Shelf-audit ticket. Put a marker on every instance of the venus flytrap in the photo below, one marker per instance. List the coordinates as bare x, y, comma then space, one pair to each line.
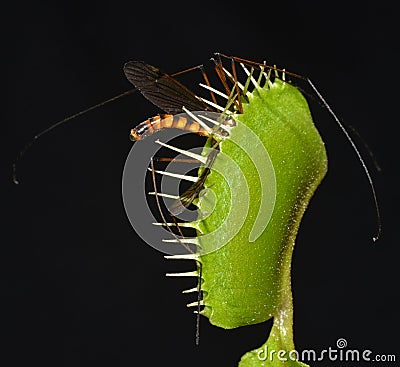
262, 163
248, 282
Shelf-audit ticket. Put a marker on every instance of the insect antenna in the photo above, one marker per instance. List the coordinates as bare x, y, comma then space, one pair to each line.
338, 122
350, 140
367, 148
57, 124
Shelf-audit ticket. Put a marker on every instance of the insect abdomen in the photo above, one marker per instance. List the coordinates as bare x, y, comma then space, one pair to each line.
166, 121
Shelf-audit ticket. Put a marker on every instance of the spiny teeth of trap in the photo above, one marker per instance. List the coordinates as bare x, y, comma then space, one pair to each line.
175, 175
194, 117
183, 151
191, 290
169, 196
224, 110
180, 224
268, 77
212, 104
182, 257
232, 78
196, 304
262, 73
256, 83
186, 274
191, 240
227, 128
216, 91
250, 75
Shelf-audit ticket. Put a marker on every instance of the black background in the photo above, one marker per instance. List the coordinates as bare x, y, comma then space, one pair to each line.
79, 288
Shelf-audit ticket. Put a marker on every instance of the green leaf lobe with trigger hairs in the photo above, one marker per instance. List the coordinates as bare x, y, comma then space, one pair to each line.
249, 282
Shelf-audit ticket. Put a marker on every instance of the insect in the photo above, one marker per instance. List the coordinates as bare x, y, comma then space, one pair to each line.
160, 88
173, 97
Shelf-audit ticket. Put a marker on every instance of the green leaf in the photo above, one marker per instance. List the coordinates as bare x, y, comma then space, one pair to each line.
247, 281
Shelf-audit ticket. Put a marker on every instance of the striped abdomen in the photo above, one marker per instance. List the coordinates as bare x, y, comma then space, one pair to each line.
166, 121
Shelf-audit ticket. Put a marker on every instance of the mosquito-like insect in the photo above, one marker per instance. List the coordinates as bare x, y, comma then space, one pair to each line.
158, 87
173, 97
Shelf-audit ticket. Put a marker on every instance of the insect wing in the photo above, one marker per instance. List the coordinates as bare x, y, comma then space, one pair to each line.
162, 89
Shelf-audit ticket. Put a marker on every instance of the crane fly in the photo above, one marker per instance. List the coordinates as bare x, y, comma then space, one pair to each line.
159, 88
167, 93
173, 97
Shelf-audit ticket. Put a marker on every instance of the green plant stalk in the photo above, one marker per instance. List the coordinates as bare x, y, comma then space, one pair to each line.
247, 282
